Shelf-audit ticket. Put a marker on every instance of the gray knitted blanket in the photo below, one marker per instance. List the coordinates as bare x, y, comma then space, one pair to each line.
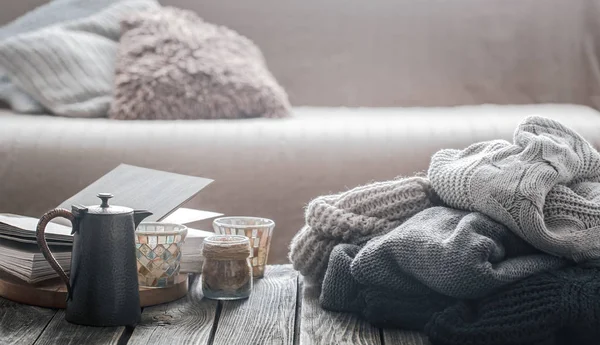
61, 56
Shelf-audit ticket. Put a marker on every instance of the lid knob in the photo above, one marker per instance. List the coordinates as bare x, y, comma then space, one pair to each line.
104, 197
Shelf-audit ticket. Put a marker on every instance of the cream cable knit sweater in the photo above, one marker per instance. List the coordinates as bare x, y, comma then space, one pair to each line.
355, 216
545, 186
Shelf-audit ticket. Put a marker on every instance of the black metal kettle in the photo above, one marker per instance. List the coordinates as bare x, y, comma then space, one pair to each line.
103, 287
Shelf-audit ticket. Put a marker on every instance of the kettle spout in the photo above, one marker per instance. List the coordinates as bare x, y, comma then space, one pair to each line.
139, 215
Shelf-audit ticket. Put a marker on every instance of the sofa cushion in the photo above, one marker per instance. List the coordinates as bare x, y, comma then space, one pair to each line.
68, 67
51, 13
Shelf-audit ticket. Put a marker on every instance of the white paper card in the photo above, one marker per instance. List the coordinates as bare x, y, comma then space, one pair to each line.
188, 215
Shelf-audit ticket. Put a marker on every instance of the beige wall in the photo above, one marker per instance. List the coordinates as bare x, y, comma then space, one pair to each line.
10, 9
412, 52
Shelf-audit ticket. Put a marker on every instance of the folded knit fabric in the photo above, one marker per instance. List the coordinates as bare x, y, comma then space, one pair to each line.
545, 186
54, 12
555, 308
456, 253
355, 216
69, 67
408, 309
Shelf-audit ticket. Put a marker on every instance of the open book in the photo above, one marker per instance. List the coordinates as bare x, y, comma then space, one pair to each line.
162, 193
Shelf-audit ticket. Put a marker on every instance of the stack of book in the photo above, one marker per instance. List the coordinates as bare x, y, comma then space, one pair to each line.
191, 256
21, 257
25, 261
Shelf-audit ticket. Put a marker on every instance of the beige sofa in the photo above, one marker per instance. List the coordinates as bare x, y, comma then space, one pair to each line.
374, 56
269, 168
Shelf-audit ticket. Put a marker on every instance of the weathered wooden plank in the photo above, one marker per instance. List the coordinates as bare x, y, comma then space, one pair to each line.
399, 337
318, 326
59, 331
299, 299
21, 323
188, 320
267, 317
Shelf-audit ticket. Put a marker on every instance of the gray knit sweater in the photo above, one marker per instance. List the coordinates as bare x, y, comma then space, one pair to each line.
545, 186
410, 308
456, 253
355, 216
426, 264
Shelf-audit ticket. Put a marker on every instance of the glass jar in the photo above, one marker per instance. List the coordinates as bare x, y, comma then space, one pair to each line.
226, 271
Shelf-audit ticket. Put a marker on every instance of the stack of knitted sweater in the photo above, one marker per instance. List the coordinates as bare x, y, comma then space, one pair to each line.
499, 244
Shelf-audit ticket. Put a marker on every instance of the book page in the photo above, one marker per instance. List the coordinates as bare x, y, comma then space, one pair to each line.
22, 226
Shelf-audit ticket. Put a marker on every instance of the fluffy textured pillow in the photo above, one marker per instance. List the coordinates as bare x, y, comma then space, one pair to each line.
173, 65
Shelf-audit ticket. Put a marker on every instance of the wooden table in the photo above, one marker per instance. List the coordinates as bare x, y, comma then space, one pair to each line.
281, 310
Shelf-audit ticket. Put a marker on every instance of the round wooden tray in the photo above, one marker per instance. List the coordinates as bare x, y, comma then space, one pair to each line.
53, 293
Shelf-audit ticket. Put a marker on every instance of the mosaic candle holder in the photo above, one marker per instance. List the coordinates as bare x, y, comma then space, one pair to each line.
158, 252
259, 232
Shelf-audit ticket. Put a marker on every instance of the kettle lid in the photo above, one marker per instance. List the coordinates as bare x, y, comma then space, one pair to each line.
105, 209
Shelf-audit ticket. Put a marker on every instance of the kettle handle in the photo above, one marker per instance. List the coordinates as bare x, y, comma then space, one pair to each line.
41, 240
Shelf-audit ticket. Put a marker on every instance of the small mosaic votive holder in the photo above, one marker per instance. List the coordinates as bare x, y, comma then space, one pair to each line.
258, 230
158, 253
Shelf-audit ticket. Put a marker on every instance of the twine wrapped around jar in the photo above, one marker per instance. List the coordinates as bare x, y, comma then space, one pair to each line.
224, 249
226, 272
